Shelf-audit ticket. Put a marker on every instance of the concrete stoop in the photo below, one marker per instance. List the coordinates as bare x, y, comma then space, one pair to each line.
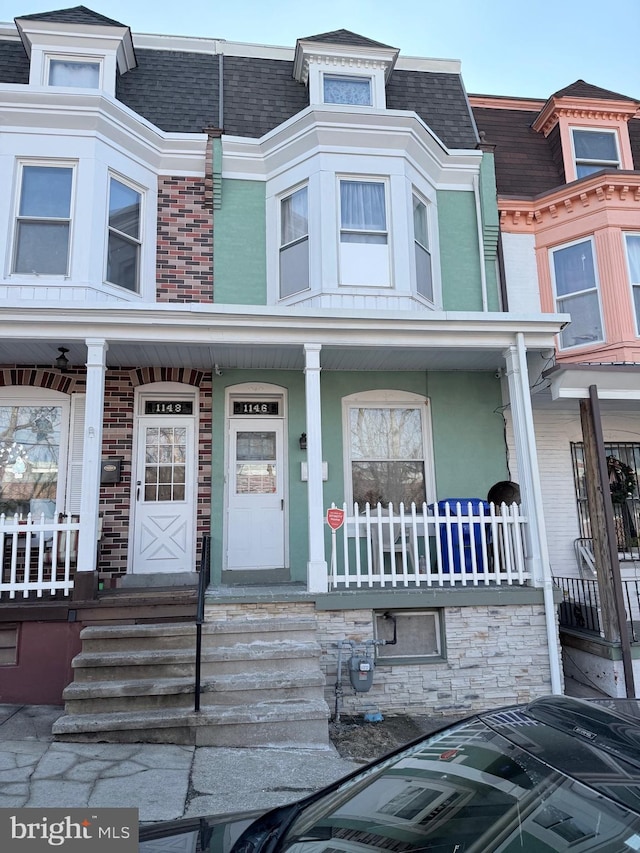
261, 685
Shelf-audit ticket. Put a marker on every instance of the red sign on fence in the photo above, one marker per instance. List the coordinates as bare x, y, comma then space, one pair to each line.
335, 518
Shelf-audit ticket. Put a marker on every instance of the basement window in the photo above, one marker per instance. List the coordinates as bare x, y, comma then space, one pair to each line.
418, 635
8, 644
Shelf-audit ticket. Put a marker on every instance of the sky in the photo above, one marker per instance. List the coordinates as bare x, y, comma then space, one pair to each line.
506, 47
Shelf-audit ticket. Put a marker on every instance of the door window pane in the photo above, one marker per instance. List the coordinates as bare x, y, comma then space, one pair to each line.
29, 459
165, 472
256, 469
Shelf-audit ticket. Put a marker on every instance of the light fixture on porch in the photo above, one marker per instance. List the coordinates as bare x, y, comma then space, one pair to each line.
62, 362
303, 441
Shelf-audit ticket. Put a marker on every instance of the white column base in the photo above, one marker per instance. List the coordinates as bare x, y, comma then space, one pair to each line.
317, 577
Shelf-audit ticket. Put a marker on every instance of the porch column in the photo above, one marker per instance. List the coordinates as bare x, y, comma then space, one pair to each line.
92, 453
317, 580
531, 494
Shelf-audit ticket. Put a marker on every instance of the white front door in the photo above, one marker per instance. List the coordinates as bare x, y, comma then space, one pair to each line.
255, 501
164, 511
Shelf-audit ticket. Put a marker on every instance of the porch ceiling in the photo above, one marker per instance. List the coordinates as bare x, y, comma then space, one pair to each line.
247, 357
270, 338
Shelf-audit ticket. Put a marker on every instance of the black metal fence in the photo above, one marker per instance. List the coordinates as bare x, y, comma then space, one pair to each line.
203, 582
580, 606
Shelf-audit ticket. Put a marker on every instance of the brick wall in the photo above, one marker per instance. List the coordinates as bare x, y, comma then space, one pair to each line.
117, 441
185, 241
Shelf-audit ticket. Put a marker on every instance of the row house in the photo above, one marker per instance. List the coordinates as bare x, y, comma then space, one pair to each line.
568, 180
244, 286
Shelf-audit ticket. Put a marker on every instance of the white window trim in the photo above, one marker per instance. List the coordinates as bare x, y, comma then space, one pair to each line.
389, 399
588, 239
11, 255
603, 164
72, 57
367, 179
32, 396
343, 68
140, 241
633, 285
282, 197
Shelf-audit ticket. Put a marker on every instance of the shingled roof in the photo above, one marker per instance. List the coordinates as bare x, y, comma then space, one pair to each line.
346, 37
73, 15
582, 89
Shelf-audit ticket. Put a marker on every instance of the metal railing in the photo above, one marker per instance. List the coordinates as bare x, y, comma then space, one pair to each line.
204, 577
37, 555
580, 606
460, 543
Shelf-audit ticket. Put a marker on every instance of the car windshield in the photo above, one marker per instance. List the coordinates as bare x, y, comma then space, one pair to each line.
467, 789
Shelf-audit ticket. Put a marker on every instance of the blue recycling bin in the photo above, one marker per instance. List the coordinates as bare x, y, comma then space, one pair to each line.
469, 539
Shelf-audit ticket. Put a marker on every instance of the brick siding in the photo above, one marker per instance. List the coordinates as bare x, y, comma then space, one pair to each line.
185, 241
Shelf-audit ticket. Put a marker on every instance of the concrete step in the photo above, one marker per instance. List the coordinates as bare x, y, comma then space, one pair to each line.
147, 694
286, 724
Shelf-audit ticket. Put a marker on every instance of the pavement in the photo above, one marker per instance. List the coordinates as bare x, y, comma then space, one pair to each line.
164, 782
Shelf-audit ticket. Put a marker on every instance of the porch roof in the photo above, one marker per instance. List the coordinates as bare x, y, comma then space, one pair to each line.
234, 337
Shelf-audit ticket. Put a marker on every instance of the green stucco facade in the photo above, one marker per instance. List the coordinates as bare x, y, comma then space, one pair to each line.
468, 440
239, 256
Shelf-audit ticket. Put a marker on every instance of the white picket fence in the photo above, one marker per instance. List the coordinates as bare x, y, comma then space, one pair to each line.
37, 555
463, 544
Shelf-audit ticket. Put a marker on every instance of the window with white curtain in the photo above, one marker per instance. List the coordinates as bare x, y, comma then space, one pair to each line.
77, 73
364, 254
424, 277
294, 243
347, 90
575, 280
632, 242
43, 223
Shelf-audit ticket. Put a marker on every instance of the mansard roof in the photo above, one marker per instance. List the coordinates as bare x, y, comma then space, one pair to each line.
528, 162
346, 37
73, 15
178, 90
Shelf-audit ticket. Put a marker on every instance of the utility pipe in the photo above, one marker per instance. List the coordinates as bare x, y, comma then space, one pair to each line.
483, 272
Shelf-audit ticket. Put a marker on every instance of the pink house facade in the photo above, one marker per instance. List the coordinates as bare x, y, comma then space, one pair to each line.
568, 180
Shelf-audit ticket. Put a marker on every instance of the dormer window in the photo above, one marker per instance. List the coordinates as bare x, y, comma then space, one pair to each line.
347, 90
77, 73
595, 150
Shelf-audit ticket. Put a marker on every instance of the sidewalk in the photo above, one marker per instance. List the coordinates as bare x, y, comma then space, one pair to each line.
164, 782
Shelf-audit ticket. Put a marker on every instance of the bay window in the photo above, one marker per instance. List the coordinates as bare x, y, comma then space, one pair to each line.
43, 223
123, 249
364, 255
576, 288
294, 243
633, 259
595, 150
424, 278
